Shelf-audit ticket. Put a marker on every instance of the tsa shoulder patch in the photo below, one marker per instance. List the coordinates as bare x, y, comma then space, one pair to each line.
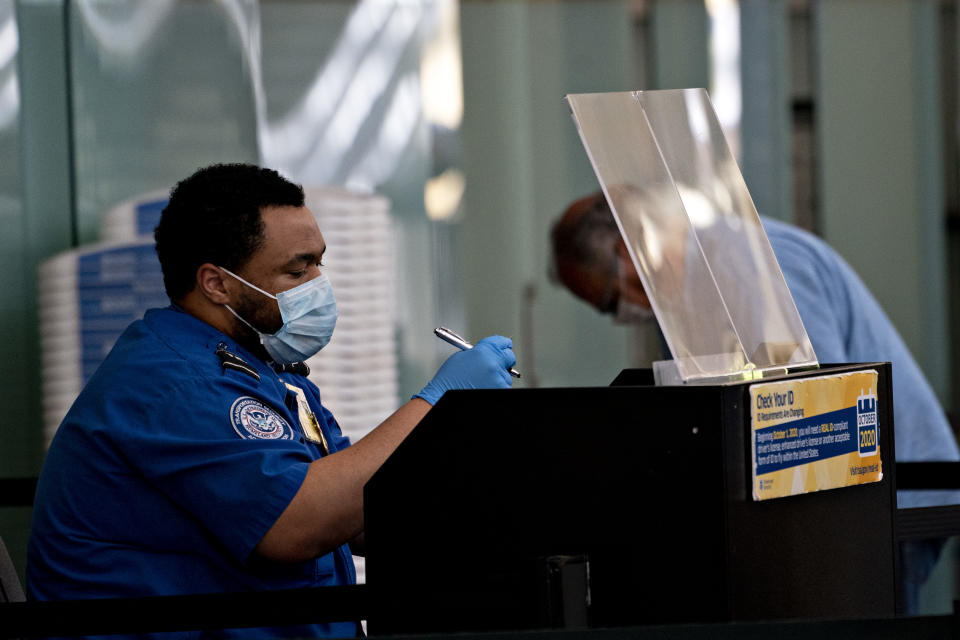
253, 419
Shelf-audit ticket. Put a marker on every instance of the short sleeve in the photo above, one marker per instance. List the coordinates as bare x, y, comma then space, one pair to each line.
189, 448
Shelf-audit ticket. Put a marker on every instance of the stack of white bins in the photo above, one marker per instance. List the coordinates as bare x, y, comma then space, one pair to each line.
357, 372
87, 298
133, 219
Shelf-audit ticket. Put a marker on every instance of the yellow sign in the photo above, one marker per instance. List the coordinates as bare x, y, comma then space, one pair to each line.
812, 434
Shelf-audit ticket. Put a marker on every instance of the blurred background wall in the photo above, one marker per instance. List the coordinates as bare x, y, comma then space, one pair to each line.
843, 114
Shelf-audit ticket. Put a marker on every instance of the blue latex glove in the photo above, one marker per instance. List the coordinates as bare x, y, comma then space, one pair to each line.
483, 367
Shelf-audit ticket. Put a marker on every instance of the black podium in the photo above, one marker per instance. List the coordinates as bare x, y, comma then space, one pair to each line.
642, 492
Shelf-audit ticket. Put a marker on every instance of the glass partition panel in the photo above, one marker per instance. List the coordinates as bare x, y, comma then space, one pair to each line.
692, 231
17, 355
158, 89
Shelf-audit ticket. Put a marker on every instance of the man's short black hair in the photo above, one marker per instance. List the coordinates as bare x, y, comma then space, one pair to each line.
214, 216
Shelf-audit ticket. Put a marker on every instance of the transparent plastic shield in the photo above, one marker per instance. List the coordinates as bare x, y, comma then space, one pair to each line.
693, 232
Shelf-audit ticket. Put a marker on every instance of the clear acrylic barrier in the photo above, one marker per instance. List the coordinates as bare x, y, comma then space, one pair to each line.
693, 233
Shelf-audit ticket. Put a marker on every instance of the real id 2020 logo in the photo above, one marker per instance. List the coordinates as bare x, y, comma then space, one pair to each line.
867, 423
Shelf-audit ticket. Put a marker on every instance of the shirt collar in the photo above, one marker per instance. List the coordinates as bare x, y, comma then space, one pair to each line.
182, 329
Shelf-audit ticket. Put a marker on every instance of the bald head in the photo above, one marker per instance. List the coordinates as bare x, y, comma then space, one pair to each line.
587, 255
584, 243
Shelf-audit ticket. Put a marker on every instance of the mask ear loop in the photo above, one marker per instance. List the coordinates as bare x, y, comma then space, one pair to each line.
237, 315
252, 286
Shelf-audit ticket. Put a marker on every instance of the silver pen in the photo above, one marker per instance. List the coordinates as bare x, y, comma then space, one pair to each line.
449, 336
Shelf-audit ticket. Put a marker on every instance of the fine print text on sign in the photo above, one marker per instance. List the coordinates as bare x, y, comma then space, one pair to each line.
813, 434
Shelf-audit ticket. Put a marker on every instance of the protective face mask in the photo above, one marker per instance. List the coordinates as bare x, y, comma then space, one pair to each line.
309, 314
632, 313
629, 312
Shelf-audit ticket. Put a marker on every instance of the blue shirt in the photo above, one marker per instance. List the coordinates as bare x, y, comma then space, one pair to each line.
170, 468
845, 323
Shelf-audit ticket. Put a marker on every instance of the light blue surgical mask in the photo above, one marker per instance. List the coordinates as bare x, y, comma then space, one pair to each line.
628, 312
309, 314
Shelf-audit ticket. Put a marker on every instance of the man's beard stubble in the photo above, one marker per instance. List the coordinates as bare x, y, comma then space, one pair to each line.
265, 317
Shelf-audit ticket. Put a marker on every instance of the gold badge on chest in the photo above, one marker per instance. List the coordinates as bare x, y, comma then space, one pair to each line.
308, 421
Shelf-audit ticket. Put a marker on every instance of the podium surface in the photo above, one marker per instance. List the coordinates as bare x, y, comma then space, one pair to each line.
652, 486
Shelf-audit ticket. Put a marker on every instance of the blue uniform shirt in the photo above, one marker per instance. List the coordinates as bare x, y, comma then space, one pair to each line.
169, 469
845, 323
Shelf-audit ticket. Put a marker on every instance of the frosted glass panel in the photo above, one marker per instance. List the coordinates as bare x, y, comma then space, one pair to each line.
692, 231
159, 89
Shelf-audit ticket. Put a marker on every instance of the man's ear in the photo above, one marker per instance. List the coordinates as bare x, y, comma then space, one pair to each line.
210, 282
